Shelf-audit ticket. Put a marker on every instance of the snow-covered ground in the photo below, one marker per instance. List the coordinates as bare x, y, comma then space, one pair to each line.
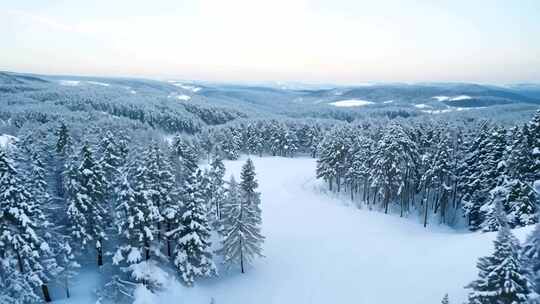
7, 140
320, 250
455, 98
183, 97
70, 83
351, 103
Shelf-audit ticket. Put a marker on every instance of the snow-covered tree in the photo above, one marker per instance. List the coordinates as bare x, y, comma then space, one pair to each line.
135, 220
445, 299
242, 237
192, 254
87, 214
502, 276
216, 186
522, 204
20, 222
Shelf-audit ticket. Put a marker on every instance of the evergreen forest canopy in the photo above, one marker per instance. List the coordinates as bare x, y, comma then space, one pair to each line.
108, 169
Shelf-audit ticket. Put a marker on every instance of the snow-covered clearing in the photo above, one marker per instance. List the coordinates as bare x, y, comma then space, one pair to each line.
70, 83
183, 97
455, 98
320, 250
103, 84
351, 103
460, 97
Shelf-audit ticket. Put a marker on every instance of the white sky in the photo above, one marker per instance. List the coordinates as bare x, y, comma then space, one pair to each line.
340, 41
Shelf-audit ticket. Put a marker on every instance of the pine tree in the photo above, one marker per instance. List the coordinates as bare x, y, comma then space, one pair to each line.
20, 221
86, 211
531, 256
495, 209
445, 299
242, 238
522, 204
192, 255
216, 185
534, 143
63, 144
15, 287
469, 183
136, 216
187, 155
110, 162
502, 277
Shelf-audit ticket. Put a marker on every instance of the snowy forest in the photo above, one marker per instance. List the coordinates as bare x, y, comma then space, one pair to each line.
128, 179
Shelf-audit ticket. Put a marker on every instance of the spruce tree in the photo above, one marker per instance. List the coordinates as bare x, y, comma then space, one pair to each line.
133, 221
20, 222
192, 254
522, 204
531, 256
87, 214
445, 299
242, 238
216, 186
502, 276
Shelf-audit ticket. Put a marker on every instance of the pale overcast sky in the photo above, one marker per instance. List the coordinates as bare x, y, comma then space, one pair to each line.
338, 41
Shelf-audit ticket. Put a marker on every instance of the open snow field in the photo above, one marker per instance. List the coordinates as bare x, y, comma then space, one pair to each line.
319, 250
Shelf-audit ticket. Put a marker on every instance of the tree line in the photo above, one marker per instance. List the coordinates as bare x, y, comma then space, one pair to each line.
132, 208
441, 171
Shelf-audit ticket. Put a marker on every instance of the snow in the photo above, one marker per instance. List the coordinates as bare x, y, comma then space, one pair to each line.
183, 97
70, 83
388, 101
448, 110
460, 97
143, 295
351, 103
441, 98
455, 98
7, 140
537, 186
318, 249
99, 83
188, 87
422, 106
82, 289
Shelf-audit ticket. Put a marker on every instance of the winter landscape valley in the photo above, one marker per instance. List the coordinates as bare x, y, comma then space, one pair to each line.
269, 152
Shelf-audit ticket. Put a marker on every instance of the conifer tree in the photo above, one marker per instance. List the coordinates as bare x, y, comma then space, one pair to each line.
502, 276
522, 204
192, 254
20, 222
216, 185
242, 238
134, 225
86, 211
445, 299
531, 257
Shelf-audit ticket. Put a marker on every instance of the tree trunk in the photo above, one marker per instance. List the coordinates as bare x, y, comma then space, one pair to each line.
241, 258
386, 200
426, 208
67, 289
46, 295
20, 262
100, 257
